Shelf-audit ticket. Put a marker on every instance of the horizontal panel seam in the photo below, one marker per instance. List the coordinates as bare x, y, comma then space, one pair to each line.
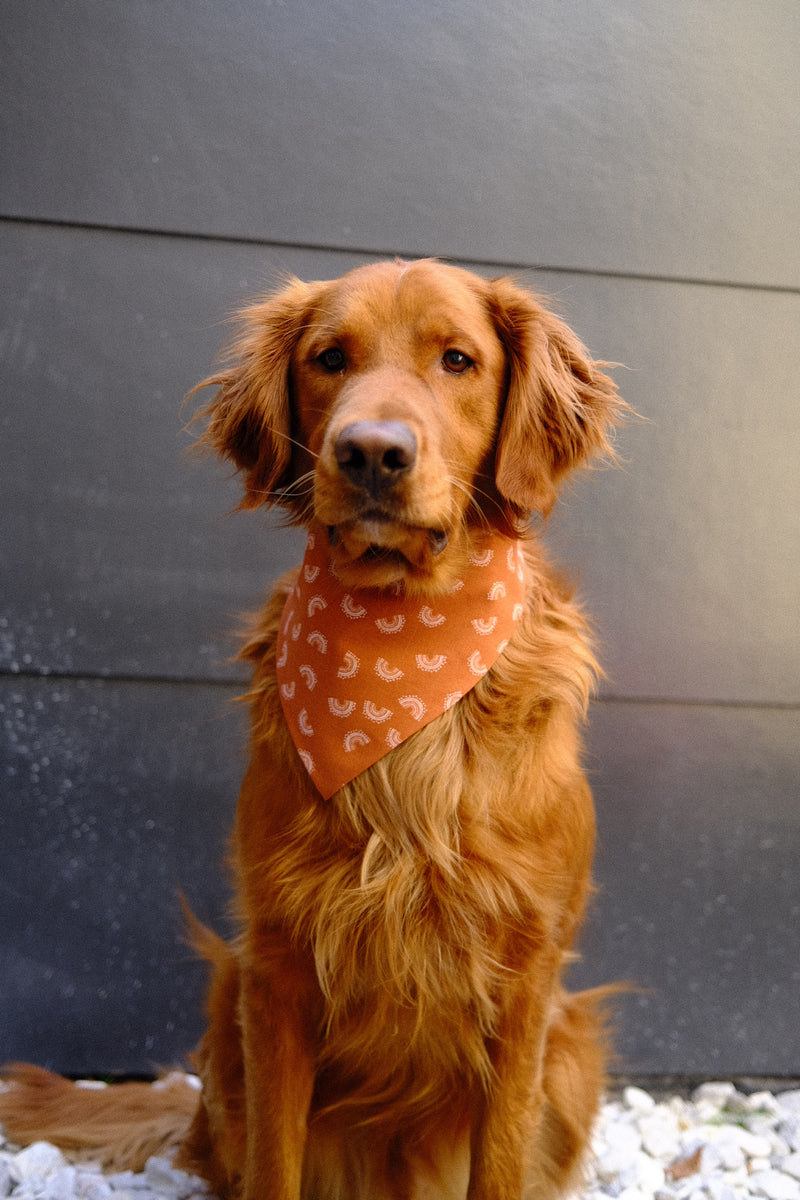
320, 247
691, 702
57, 676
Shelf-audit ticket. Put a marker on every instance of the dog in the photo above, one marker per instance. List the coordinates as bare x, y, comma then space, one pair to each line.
414, 837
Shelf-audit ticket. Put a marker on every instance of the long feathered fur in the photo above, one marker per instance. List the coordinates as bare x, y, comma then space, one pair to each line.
119, 1127
391, 1023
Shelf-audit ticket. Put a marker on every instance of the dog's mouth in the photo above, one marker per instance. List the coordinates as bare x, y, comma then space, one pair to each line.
375, 549
381, 548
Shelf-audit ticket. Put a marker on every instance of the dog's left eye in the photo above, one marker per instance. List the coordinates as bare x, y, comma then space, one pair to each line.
456, 361
332, 360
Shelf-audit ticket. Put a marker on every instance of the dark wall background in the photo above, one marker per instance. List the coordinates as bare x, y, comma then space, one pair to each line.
159, 164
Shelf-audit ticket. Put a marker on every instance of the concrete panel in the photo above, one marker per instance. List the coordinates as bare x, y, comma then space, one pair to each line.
689, 556
117, 557
699, 903
114, 798
624, 137
116, 795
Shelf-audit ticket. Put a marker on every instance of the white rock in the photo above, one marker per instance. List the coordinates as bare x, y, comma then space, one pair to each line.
710, 1161
791, 1165
728, 1147
774, 1185
123, 1181
60, 1185
762, 1124
39, 1160
762, 1102
789, 1129
682, 1109
638, 1100
738, 1180
717, 1188
622, 1143
90, 1185
754, 1145
611, 1112
716, 1096
789, 1102
696, 1135
626, 1178
660, 1134
649, 1173
161, 1176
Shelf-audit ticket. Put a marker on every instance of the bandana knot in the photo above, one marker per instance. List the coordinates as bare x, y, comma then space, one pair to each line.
359, 671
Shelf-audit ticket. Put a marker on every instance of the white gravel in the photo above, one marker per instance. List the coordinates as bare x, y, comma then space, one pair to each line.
41, 1172
717, 1144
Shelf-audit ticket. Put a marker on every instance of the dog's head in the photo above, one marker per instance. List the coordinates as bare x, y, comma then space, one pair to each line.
403, 405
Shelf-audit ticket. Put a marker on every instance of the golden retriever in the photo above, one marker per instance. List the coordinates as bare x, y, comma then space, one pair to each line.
390, 1023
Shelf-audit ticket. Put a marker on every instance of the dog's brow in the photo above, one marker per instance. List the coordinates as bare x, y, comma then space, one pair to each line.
436, 329
318, 326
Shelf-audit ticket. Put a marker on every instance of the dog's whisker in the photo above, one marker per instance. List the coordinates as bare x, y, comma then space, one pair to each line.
281, 433
303, 485
473, 508
292, 491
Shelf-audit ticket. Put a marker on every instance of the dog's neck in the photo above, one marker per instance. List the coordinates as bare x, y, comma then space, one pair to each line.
361, 670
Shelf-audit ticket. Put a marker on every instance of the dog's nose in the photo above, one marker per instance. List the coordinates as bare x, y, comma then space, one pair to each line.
376, 454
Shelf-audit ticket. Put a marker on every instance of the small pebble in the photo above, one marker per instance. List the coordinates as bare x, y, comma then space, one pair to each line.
789, 1129
37, 1161
774, 1185
638, 1100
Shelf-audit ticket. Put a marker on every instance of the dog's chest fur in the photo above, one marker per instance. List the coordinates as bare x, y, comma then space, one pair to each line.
407, 927
420, 888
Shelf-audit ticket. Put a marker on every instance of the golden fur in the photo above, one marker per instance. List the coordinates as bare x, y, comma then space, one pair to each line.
390, 1023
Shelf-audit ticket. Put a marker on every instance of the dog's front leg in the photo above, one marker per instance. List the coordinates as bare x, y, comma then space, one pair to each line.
278, 1002
505, 1130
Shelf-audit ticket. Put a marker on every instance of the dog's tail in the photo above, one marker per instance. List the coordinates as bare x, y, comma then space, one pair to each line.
119, 1126
577, 1056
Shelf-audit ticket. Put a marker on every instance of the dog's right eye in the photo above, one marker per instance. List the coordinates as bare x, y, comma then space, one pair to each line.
456, 361
333, 361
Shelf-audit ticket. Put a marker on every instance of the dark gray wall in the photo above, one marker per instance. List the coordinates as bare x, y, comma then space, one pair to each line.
160, 163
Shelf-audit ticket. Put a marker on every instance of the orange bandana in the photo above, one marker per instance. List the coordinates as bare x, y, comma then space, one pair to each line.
360, 671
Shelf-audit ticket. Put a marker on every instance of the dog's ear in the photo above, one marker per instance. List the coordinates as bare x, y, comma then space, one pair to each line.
249, 420
559, 406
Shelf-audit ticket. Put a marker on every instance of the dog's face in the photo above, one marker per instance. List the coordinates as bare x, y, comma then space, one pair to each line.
399, 380
402, 405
